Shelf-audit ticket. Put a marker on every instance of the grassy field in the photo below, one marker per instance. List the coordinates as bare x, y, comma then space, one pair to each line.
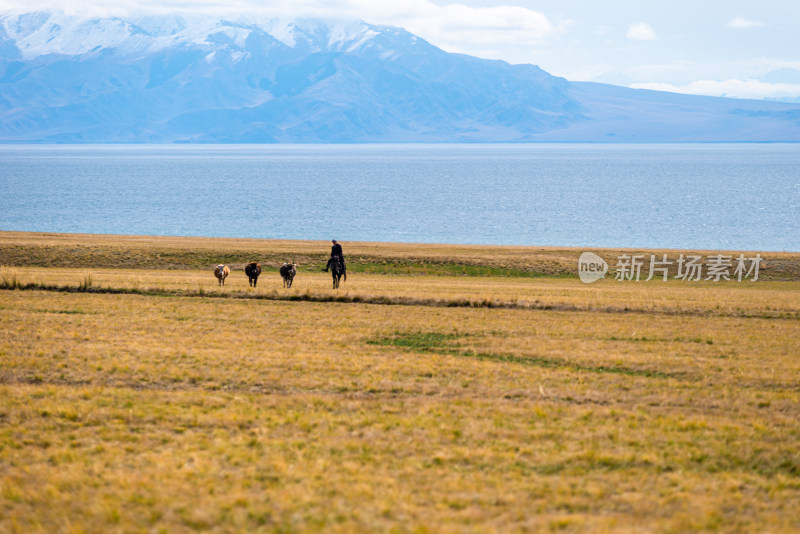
441, 389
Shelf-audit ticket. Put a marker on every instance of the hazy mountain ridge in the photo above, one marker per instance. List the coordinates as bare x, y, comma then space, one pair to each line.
201, 79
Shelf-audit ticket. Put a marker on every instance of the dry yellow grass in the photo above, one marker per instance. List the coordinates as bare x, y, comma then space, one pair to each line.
200, 412
761, 298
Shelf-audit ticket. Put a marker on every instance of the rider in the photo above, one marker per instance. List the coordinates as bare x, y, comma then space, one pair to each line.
336, 251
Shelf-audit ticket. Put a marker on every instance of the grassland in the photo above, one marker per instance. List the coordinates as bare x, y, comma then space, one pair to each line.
138, 396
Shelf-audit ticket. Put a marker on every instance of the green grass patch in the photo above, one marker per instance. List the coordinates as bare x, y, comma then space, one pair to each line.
418, 341
443, 343
10, 282
104, 256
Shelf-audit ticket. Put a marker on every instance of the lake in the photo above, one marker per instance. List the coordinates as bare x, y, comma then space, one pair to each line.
718, 196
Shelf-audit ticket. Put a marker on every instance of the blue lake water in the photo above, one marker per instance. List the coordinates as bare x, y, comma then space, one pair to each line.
651, 196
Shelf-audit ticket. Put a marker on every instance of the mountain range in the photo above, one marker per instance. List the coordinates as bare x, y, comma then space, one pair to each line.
201, 79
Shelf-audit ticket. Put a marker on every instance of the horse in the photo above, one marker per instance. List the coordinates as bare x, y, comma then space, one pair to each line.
252, 270
222, 272
337, 271
288, 270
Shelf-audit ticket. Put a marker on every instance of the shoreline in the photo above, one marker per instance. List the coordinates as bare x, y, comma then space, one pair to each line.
23, 234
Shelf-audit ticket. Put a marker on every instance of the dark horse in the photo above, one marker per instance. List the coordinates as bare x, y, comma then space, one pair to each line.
337, 271
252, 270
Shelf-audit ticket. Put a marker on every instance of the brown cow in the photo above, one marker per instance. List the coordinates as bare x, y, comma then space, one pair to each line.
222, 272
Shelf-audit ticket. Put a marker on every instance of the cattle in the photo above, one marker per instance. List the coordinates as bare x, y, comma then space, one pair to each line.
252, 270
221, 272
288, 270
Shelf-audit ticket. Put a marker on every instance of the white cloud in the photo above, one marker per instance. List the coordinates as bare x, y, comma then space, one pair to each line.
734, 88
682, 72
602, 30
456, 27
641, 31
743, 23
662, 71
591, 72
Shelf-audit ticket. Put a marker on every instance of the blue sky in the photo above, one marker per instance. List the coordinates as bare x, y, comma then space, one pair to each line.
737, 48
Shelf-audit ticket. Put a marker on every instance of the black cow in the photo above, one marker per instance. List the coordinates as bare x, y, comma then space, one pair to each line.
252, 270
288, 270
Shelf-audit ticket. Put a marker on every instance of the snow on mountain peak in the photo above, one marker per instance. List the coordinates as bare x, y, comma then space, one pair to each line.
349, 36
319, 35
42, 33
37, 34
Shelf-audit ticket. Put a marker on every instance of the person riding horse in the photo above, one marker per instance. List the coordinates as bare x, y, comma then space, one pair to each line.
336, 252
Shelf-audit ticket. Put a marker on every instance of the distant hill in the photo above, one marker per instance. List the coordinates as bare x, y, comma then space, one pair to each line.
164, 79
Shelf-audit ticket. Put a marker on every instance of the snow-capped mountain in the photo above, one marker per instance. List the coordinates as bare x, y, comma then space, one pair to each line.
42, 33
256, 79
